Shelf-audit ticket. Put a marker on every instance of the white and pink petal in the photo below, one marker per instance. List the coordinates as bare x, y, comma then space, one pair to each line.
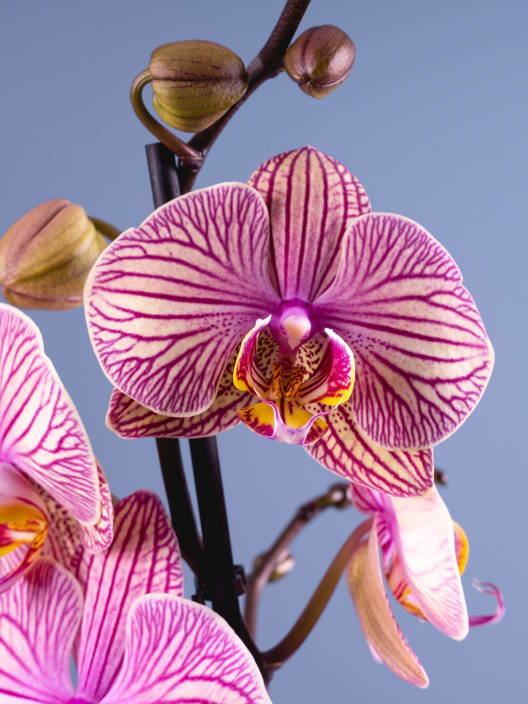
181, 651
423, 533
143, 558
345, 450
423, 358
312, 199
386, 641
39, 617
168, 303
41, 432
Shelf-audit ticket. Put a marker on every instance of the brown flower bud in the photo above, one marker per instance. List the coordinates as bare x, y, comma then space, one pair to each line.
320, 59
195, 83
45, 256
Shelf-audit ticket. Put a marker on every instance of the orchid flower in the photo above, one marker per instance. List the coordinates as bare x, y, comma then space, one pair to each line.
134, 638
423, 554
287, 305
45, 454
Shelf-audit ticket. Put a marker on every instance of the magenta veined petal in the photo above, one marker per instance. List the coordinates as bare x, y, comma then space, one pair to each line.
181, 651
129, 419
167, 304
345, 450
39, 617
422, 354
312, 199
41, 432
423, 532
382, 633
143, 558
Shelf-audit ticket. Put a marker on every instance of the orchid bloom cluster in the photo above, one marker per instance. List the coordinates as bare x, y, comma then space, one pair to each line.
284, 304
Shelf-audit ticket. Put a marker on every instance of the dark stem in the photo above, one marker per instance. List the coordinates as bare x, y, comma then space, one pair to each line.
166, 186
337, 497
179, 500
221, 582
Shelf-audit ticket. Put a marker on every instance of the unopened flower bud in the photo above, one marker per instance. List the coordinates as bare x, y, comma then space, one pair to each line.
320, 59
45, 256
195, 83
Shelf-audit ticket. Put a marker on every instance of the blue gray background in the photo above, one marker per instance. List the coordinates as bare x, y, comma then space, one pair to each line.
433, 122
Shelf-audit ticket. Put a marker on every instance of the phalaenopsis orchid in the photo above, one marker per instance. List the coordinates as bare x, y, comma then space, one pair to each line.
282, 302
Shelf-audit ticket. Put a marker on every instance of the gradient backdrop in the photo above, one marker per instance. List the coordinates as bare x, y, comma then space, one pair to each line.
433, 122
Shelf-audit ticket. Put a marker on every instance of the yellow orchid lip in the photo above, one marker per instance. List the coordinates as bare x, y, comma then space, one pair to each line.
23, 525
320, 371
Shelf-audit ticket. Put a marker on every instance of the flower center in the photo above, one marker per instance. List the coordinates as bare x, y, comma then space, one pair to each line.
286, 379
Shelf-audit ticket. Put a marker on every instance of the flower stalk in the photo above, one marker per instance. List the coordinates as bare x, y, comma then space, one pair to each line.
277, 656
336, 497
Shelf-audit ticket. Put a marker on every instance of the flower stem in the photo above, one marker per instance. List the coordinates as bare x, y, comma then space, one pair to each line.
337, 497
169, 139
277, 656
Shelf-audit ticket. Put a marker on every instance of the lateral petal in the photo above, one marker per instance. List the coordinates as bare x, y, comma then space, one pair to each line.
345, 450
167, 304
144, 557
129, 419
312, 199
41, 432
181, 651
422, 354
381, 631
39, 617
423, 531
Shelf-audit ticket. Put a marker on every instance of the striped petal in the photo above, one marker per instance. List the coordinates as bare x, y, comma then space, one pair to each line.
143, 558
422, 355
312, 199
39, 617
66, 537
382, 633
129, 419
40, 430
423, 531
180, 651
23, 525
346, 450
168, 303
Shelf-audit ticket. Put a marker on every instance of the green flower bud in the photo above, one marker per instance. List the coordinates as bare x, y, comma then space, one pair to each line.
320, 59
195, 83
45, 256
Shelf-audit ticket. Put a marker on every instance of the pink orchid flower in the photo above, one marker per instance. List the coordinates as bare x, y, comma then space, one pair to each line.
288, 305
45, 454
122, 616
423, 554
